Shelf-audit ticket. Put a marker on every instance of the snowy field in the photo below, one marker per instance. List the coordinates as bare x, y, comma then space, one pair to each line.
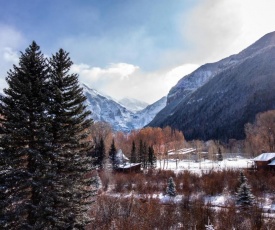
205, 165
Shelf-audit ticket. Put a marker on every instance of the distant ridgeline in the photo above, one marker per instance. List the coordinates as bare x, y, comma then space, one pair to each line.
218, 99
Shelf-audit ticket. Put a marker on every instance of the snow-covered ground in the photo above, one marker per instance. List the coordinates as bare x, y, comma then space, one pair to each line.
267, 203
205, 165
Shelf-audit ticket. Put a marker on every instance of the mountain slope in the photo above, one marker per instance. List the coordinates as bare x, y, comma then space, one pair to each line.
132, 104
106, 109
216, 100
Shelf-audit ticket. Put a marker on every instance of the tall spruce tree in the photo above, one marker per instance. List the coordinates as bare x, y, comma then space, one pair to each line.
171, 187
244, 197
70, 122
152, 160
43, 156
143, 154
99, 154
133, 157
219, 157
112, 155
26, 172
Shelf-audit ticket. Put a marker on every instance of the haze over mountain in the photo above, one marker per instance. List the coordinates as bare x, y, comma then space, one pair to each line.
133, 104
106, 109
218, 99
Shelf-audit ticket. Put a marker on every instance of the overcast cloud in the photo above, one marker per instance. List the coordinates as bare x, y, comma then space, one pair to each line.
134, 49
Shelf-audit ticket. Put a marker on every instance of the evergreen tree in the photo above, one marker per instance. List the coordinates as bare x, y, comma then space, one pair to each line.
140, 155
26, 173
242, 178
69, 123
144, 152
133, 157
99, 154
244, 197
151, 157
43, 157
112, 155
171, 188
220, 157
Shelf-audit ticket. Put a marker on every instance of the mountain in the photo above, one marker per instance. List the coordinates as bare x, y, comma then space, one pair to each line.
218, 99
132, 104
143, 117
106, 109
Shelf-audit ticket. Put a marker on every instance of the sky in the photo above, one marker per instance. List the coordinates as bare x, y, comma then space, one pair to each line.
136, 49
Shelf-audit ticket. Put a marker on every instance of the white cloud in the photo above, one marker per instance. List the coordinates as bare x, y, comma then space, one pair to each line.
177, 73
125, 80
10, 55
9, 37
219, 28
10, 40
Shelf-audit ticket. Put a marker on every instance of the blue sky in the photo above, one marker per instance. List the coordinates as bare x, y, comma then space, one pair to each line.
127, 48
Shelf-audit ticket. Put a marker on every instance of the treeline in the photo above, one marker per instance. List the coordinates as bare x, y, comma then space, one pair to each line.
143, 146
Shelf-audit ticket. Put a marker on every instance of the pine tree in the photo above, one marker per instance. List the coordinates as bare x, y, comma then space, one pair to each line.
244, 197
242, 178
171, 188
25, 173
220, 157
99, 154
144, 152
43, 157
140, 155
133, 157
151, 157
70, 122
112, 155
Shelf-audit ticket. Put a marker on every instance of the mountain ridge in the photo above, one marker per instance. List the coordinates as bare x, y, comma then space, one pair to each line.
239, 85
106, 109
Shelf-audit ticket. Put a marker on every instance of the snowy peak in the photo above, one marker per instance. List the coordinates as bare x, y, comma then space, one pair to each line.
106, 109
133, 104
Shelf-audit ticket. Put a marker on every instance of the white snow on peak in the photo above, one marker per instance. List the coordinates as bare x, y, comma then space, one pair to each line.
133, 104
106, 109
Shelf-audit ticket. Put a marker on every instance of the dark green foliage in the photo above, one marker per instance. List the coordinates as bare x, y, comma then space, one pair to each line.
244, 197
99, 154
171, 187
143, 154
242, 178
133, 158
220, 157
152, 160
26, 175
69, 127
43, 158
112, 155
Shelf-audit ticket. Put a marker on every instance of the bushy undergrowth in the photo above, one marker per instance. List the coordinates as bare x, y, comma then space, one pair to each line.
208, 183
140, 212
132, 213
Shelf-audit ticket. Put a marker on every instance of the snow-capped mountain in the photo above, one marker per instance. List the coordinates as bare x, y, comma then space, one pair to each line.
133, 104
106, 109
218, 99
143, 117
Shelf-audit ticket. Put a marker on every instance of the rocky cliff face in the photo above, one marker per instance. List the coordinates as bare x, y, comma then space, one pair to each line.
217, 99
